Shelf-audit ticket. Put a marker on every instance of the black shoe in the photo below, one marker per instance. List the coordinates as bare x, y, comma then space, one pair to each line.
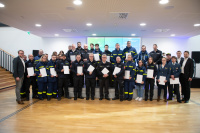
81, 97
41, 98
115, 98
129, 99
92, 98
125, 98
87, 98
151, 99
183, 99
75, 98
67, 97
100, 98
179, 101
59, 99
48, 98
107, 98
187, 101
169, 99
121, 100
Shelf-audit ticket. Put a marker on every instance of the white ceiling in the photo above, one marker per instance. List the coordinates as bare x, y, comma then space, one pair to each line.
54, 16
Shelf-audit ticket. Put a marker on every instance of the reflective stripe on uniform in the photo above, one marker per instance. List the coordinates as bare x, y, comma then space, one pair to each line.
49, 94
130, 93
39, 92
125, 92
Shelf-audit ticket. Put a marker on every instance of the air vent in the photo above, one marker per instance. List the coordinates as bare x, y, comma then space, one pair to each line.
70, 30
119, 15
161, 30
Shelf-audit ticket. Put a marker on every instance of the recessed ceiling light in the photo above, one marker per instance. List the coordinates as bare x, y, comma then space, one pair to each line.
38, 25
89, 24
2, 5
94, 34
77, 2
56, 34
172, 34
164, 1
133, 34
196, 25
142, 24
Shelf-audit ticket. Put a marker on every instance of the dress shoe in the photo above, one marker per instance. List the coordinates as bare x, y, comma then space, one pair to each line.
115, 98
75, 98
81, 97
151, 99
129, 99
20, 102
87, 98
100, 98
41, 98
107, 98
48, 98
179, 101
92, 98
121, 99
158, 98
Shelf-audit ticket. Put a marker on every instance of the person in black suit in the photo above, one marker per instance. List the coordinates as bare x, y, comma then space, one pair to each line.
187, 70
179, 58
18, 74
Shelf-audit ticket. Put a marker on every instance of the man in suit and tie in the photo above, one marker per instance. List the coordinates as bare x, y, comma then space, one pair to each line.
179, 58
187, 70
18, 74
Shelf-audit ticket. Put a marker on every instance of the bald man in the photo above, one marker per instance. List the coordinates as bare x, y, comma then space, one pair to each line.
30, 79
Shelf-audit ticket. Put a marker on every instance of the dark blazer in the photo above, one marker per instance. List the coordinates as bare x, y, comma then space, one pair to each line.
18, 68
189, 68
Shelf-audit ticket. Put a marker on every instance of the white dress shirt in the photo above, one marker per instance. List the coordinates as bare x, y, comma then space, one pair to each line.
183, 65
23, 63
179, 60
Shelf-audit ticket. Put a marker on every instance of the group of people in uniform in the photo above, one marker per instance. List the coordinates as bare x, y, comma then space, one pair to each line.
81, 66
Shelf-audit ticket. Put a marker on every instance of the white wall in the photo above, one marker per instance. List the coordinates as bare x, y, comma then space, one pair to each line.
11, 40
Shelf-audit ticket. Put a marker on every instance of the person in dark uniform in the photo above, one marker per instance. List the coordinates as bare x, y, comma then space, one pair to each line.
117, 52
187, 71
163, 70
108, 54
79, 48
31, 80
156, 55
91, 47
77, 77
52, 79
131, 50
71, 53
90, 77
174, 73
118, 79
143, 55
63, 79
104, 76
150, 81
129, 84
41, 80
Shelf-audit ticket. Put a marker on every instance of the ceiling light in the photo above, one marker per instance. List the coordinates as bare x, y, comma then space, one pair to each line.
142, 24
56, 34
172, 34
2, 5
89, 24
94, 34
38, 25
196, 25
77, 2
164, 1
133, 34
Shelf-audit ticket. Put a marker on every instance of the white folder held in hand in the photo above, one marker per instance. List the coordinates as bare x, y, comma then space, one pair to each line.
96, 57
79, 69
72, 57
162, 79
30, 71
150, 73
66, 69
53, 72
139, 78
116, 70
175, 81
127, 54
105, 71
90, 68
43, 72
127, 74
108, 59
